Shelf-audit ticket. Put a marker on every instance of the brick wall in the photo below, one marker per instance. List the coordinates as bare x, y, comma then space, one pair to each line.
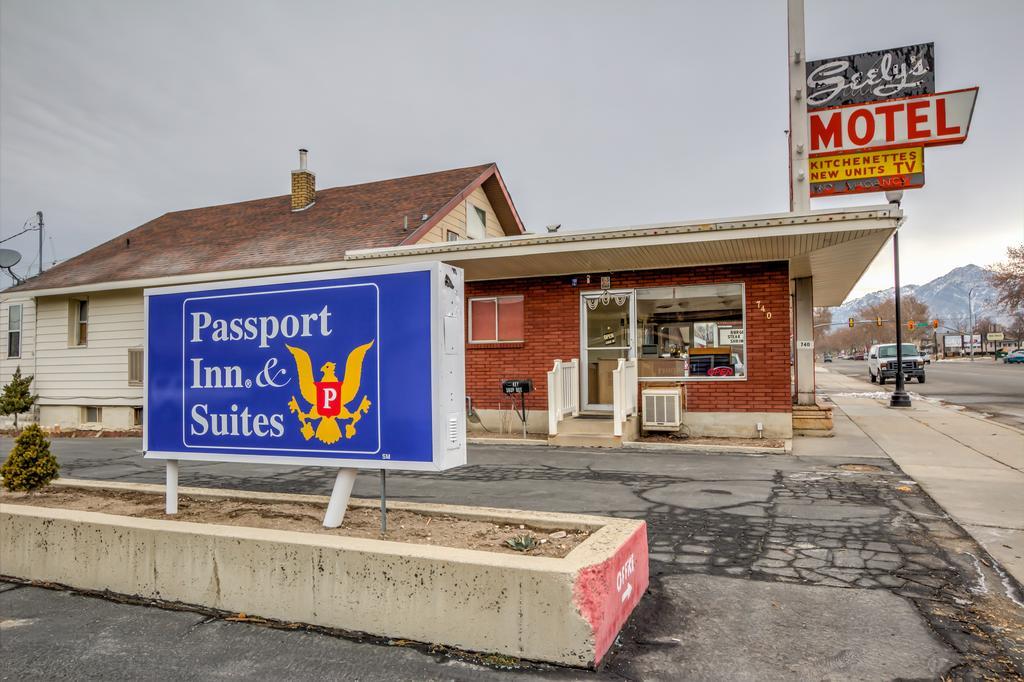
552, 321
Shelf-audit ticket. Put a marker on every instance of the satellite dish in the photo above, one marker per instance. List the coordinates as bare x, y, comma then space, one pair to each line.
9, 258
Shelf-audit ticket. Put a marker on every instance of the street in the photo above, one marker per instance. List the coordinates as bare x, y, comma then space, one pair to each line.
989, 387
819, 565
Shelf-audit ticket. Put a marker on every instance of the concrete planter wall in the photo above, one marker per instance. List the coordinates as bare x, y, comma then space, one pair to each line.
564, 611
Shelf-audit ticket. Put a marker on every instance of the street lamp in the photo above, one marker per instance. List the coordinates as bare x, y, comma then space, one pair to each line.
970, 320
899, 397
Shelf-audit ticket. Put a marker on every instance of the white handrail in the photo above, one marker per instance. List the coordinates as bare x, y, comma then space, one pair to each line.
618, 394
554, 398
563, 392
624, 390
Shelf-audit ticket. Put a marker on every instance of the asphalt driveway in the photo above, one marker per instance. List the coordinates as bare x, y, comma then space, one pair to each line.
762, 567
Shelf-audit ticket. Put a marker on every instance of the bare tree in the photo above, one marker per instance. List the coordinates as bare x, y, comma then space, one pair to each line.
822, 320
865, 334
1008, 279
1016, 328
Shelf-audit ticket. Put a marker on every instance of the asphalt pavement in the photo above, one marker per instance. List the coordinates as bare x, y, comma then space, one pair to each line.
988, 387
831, 565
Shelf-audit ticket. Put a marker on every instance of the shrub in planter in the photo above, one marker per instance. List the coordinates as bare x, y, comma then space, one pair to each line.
30, 465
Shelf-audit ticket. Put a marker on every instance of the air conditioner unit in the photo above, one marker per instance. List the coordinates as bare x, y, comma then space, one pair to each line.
662, 409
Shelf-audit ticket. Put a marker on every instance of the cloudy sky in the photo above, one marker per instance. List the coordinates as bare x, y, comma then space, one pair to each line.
598, 113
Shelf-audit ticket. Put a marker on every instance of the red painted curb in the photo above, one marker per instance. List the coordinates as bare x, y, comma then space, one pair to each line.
606, 593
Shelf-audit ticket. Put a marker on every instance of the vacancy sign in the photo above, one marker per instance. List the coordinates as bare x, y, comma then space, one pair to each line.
859, 172
922, 121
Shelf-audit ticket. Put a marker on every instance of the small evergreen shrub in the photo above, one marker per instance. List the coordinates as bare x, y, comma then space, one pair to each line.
16, 396
30, 465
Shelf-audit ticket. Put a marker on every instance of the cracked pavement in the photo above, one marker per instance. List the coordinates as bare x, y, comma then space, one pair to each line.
773, 566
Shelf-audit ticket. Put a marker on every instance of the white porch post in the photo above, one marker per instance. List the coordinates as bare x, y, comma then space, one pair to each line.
554, 398
803, 355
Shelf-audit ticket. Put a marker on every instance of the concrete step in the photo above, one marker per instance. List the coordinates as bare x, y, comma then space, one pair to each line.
586, 441
585, 426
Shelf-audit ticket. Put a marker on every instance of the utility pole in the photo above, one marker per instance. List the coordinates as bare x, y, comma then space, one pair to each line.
799, 186
970, 320
39, 214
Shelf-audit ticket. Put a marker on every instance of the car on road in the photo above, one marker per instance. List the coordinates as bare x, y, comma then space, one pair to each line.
927, 357
827, 358
858, 356
882, 362
1014, 357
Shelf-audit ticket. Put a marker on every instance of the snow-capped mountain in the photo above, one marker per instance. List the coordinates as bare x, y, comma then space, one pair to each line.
945, 296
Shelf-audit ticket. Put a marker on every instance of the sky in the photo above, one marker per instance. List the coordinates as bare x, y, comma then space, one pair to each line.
599, 114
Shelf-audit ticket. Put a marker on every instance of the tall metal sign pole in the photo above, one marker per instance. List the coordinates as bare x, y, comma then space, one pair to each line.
799, 201
799, 185
899, 397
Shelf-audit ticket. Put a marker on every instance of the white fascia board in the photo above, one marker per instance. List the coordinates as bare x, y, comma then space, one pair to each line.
731, 226
186, 279
777, 224
587, 243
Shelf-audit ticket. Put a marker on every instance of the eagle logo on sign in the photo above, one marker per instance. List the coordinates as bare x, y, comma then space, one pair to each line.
329, 398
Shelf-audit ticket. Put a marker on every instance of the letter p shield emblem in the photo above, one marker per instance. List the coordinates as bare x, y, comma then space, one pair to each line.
328, 398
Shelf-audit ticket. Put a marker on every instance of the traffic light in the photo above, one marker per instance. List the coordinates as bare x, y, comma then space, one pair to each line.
878, 321
935, 324
911, 325
851, 322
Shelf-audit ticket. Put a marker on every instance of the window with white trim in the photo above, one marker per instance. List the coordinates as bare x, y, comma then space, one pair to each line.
78, 319
14, 317
496, 319
691, 332
135, 359
476, 222
92, 415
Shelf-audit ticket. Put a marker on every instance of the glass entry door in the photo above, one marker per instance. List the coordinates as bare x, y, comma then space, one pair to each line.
606, 335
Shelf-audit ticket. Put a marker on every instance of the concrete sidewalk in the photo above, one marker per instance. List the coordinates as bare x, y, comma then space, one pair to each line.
971, 466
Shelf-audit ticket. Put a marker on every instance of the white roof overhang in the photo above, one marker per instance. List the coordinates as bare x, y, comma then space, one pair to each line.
834, 247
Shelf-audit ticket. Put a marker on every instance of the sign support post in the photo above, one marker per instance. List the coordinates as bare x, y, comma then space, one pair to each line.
383, 501
171, 489
343, 483
899, 397
799, 169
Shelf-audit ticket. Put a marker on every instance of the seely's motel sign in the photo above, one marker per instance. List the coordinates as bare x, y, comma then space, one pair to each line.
352, 369
871, 115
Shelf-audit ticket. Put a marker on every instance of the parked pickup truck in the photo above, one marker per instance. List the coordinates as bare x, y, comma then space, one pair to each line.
882, 362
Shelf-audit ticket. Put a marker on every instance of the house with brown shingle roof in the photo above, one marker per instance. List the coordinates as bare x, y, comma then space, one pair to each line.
690, 326
78, 327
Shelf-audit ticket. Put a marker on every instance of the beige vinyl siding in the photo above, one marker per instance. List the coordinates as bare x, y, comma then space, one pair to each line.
96, 373
456, 220
28, 326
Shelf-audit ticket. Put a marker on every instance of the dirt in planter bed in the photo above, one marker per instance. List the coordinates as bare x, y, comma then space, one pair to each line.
307, 517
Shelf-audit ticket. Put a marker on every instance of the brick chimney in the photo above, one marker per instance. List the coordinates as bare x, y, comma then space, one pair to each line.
303, 185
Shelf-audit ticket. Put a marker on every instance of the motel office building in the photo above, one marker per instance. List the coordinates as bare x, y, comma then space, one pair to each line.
708, 312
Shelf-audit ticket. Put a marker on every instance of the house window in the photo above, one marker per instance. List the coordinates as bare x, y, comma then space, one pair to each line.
496, 319
691, 332
135, 371
137, 416
476, 222
452, 236
79, 332
14, 331
92, 415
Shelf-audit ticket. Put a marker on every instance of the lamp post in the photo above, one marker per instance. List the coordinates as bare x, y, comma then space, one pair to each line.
970, 320
899, 397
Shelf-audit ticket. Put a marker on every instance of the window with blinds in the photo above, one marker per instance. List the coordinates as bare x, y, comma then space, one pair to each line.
135, 366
